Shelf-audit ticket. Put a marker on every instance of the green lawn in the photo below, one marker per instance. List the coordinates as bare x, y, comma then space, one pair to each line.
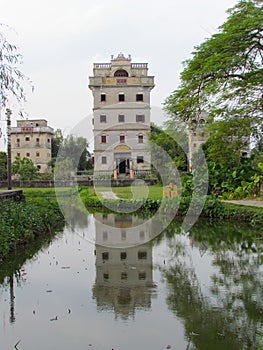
129, 192
45, 192
134, 192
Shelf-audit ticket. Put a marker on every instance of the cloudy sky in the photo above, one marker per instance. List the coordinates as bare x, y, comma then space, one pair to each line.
61, 39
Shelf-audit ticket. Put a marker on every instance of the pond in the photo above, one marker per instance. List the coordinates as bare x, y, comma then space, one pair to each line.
107, 283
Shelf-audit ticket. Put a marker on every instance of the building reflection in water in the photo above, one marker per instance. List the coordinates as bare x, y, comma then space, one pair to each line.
124, 277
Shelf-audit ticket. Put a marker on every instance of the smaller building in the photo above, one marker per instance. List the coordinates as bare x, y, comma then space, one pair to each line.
32, 139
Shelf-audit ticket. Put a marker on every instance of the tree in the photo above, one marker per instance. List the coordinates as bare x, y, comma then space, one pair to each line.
63, 169
56, 143
25, 168
12, 80
3, 166
75, 148
169, 141
225, 75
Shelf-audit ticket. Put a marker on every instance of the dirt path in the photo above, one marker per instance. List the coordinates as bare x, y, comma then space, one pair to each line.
250, 203
109, 195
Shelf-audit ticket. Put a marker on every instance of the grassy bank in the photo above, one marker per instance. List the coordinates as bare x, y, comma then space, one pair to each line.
21, 222
213, 208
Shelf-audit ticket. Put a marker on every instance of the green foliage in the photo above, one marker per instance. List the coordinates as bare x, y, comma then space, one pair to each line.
70, 150
21, 222
170, 141
231, 136
3, 166
63, 169
213, 207
225, 75
234, 181
25, 168
75, 149
56, 143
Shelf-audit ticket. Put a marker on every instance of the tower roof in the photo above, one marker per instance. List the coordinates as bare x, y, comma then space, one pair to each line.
121, 58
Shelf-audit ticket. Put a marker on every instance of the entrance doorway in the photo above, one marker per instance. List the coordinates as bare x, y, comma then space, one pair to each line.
122, 163
122, 166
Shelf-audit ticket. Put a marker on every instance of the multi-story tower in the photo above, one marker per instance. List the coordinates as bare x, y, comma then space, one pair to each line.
32, 139
121, 92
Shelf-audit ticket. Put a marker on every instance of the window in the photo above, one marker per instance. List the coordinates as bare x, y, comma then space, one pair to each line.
18, 140
37, 154
142, 235
121, 118
124, 275
142, 275
18, 154
140, 138
122, 139
48, 140
28, 154
139, 97
123, 235
37, 140
194, 144
105, 236
123, 255
103, 160
103, 97
39, 167
27, 138
105, 256
37, 124
142, 255
121, 97
106, 276
140, 159
103, 118
121, 73
140, 118
103, 139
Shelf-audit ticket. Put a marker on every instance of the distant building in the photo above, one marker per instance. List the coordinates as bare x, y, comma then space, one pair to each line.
32, 139
121, 92
198, 134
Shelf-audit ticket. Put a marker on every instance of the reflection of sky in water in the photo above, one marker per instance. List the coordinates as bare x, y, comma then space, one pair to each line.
67, 280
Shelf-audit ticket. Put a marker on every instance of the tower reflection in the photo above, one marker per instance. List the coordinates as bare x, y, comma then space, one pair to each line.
124, 264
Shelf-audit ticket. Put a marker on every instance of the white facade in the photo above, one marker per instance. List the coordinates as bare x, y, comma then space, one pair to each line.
121, 118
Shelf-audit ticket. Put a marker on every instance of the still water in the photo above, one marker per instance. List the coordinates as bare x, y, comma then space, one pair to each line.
88, 289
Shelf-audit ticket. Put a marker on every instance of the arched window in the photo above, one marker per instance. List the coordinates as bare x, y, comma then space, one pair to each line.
121, 73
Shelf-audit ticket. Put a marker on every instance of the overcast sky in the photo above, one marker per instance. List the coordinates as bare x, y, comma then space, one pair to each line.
61, 39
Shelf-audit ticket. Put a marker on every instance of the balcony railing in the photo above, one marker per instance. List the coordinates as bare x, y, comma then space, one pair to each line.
102, 65
139, 65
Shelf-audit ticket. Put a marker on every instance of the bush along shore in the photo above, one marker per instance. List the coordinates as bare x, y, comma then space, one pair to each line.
212, 208
21, 222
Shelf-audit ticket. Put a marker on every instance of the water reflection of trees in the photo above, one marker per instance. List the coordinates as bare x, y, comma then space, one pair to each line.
12, 272
75, 218
229, 315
